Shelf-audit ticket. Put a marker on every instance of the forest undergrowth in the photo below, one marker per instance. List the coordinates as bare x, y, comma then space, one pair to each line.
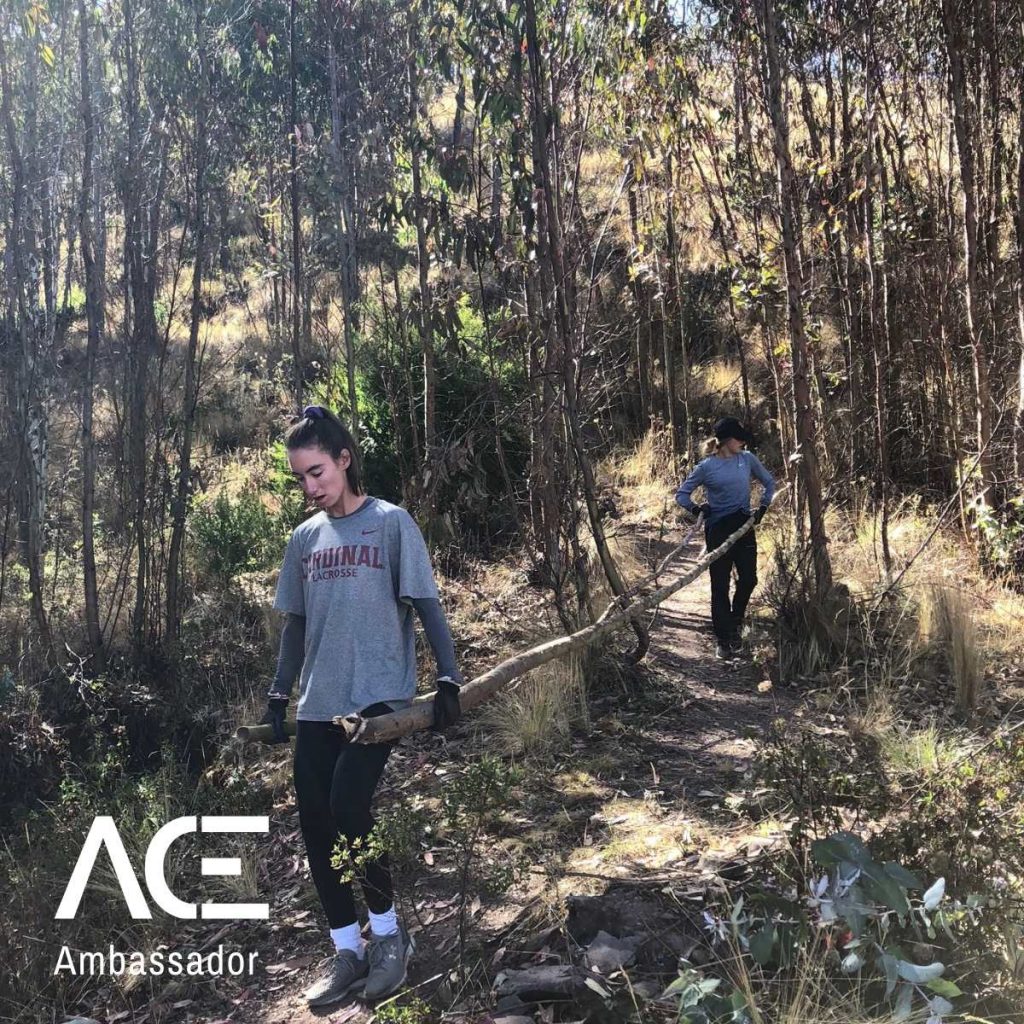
871, 831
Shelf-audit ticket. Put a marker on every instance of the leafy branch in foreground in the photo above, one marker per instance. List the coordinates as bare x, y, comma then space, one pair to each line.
861, 924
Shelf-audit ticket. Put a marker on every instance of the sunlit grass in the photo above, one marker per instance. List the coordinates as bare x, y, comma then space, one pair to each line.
948, 619
916, 752
536, 714
625, 834
644, 478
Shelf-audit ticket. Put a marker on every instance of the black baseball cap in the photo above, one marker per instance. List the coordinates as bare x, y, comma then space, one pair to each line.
729, 426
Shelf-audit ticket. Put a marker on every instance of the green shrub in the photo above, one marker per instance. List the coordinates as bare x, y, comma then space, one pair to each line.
479, 379
282, 485
412, 1010
472, 803
962, 821
822, 780
857, 928
236, 536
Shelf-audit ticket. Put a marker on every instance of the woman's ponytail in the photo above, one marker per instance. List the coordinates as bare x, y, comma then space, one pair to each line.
318, 427
711, 445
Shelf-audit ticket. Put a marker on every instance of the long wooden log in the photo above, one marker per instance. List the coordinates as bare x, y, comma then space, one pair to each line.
421, 713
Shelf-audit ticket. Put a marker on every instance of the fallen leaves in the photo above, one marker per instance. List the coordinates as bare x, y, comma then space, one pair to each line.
291, 966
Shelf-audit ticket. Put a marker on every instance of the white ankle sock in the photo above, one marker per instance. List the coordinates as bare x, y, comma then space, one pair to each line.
384, 924
348, 937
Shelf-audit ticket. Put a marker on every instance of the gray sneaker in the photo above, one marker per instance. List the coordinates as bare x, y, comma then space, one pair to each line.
389, 960
342, 973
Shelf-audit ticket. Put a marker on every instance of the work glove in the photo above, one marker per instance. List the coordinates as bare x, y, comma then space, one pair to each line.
276, 708
447, 710
759, 514
698, 510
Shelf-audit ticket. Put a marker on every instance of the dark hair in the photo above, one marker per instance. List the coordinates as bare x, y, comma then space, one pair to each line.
729, 426
320, 428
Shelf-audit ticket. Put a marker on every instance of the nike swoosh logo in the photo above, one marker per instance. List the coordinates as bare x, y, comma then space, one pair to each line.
365, 532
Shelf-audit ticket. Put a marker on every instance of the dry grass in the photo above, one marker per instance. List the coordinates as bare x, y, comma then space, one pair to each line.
719, 379
626, 552
910, 751
876, 717
648, 463
1000, 611
855, 541
947, 620
600, 175
634, 835
805, 994
644, 477
535, 716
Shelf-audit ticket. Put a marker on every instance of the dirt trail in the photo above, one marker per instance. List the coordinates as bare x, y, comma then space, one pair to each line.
657, 768
725, 708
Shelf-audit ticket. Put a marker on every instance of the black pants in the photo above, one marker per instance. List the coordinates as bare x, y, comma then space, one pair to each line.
334, 785
726, 615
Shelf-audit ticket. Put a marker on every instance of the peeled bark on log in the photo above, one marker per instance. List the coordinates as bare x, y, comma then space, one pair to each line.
421, 714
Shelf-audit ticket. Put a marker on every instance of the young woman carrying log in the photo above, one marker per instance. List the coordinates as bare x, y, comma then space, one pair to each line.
352, 575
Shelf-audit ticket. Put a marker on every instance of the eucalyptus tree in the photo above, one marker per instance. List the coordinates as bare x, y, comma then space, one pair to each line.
28, 326
95, 311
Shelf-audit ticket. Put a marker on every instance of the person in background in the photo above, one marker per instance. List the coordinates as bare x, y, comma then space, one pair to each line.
353, 574
725, 474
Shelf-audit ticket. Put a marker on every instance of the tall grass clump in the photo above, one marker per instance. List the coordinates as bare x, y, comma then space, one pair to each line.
650, 462
946, 620
644, 476
536, 716
917, 753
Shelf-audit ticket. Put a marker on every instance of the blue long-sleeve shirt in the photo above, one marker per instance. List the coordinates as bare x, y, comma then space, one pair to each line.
726, 483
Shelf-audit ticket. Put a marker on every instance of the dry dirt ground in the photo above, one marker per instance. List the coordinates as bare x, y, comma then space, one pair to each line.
624, 831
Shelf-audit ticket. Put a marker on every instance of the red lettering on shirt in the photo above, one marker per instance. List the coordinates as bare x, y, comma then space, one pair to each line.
317, 565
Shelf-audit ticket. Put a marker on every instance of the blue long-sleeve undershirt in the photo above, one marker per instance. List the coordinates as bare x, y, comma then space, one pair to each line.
726, 483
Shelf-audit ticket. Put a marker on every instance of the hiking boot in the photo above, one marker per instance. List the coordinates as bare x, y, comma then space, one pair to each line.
389, 960
342, 973
724, 651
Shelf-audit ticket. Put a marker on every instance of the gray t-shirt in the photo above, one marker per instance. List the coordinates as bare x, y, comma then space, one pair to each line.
354, 579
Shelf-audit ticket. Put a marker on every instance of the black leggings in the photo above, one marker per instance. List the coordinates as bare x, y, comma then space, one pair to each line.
726, 615
334, 785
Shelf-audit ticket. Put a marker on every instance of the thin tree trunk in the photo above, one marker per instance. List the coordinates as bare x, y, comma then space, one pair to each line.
641, 308
964, 116
544, 118
94, 311
348, 272
668, 350
25, 330
689, 447
410, 390
803, 410
188, 411
429, 468
875, 312
294, 130
1018, 289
